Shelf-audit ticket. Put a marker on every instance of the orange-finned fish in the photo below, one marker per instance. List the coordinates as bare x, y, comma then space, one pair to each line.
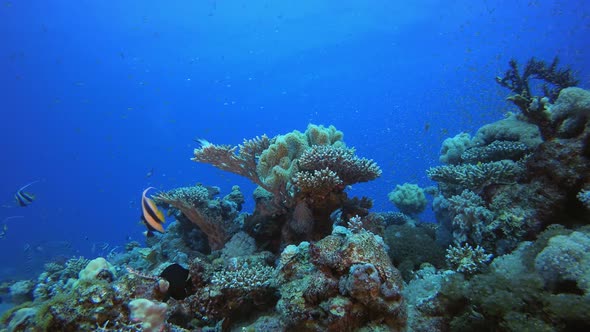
151, 216
23, 198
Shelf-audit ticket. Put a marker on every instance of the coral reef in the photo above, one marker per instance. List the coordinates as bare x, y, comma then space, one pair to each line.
302, 177
217, 218
512, 294
512, 210
344, 281
511, 181
534, 107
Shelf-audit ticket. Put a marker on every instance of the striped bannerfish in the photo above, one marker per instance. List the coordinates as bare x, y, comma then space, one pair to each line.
151, 216
24, 198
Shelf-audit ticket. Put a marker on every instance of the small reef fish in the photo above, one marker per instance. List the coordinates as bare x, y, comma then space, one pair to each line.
24, 198
151, 216
150, 173
3, 231
5, 225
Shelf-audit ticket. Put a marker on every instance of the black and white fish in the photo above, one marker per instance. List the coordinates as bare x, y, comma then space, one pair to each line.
24, 198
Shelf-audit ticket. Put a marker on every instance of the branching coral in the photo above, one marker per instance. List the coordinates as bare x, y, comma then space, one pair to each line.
247, 277
495, 151
349, 168
242, 163
269, 163
303, 175
470, 217
317, 182
466, 259
533, 107
476, 176
555, 79
216, 218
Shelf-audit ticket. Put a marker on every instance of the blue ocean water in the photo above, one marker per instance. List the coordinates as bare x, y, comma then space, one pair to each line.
96, 95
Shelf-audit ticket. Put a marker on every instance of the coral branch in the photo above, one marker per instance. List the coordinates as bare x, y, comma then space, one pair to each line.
214, 217
533, 107
242, 163
349, 168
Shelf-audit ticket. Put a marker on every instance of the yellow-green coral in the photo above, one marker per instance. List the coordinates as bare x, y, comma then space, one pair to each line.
277, 164
320, 135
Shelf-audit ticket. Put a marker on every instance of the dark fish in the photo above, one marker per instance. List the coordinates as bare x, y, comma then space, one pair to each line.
178, 277
24, 198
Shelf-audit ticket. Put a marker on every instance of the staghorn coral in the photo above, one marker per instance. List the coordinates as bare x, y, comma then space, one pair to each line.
355, 224
196, 195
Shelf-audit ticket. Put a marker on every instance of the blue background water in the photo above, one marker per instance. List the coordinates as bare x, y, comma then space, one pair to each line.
94, 94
